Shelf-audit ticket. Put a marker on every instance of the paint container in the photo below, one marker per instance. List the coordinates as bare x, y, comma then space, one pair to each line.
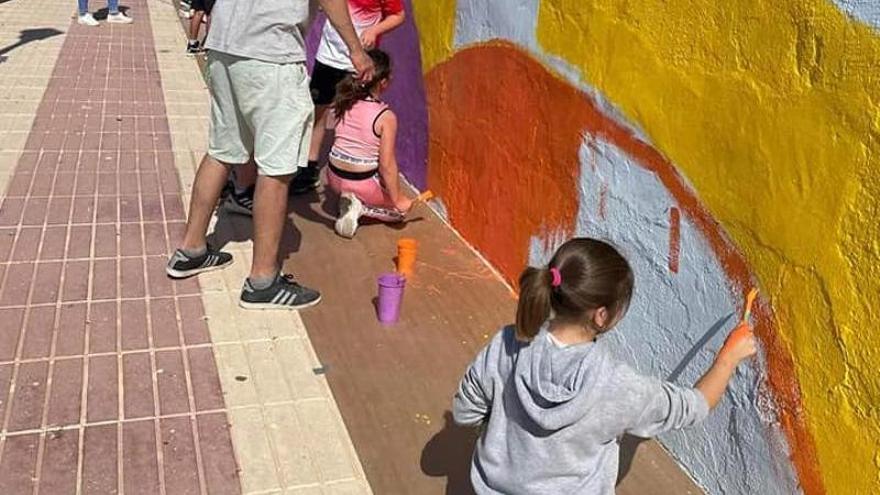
406, 255
390, 297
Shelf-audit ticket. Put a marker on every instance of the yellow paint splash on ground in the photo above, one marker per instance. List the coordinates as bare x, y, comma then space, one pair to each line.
771, 108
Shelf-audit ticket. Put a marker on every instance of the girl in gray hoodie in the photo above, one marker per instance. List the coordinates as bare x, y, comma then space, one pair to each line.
550, 397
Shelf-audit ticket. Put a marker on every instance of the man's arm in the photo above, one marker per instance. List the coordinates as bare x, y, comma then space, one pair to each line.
337, 14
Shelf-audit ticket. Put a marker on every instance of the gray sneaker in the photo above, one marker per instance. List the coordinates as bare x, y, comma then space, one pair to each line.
182, 266
284, 293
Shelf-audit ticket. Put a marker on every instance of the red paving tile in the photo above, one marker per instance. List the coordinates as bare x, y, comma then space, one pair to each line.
17, 284
173, 397
103, 390
28, 397
38, 333
60, 457
179, 453
86, 222
65, 397
218, 460
100, 473
138, 386
134, 325
10, 330
19, 464
70, 340
140, 470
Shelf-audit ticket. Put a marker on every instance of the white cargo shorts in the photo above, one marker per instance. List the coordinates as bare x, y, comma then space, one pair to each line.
262, 109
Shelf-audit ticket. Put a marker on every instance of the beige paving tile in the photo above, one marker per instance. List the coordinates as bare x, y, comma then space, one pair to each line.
298, 369
304, 490
325, 438
352, 487
267, 373
236, 376
249, 437
297, 467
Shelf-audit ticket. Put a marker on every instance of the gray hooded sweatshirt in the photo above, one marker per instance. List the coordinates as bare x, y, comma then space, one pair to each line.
552, 414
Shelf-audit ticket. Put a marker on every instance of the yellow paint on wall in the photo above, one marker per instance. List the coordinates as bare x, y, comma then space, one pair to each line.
771, 109
436, 22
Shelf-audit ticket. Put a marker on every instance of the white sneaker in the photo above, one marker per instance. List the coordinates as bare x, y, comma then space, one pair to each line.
350, 211
119, 18
87, 20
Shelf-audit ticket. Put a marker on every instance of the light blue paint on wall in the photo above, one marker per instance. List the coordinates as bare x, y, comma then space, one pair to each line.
867, 11
734, 451
482, 20
740, 447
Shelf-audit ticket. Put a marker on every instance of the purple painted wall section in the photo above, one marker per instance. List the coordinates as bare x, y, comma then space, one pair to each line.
406, 95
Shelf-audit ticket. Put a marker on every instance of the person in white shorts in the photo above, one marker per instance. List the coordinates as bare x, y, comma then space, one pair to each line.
261, 108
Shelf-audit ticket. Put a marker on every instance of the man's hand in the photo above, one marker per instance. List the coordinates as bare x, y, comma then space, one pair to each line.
363, 65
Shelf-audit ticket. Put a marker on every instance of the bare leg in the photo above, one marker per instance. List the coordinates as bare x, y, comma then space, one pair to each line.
270, 213
194, 24
209, 182
246, 175
318, 132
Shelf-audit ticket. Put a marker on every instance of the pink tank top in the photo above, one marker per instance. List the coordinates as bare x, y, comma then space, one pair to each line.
356, 140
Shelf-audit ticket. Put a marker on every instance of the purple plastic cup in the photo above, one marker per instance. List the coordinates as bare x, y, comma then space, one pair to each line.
390, 296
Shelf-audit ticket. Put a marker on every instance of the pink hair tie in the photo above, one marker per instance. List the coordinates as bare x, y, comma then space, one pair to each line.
557, 277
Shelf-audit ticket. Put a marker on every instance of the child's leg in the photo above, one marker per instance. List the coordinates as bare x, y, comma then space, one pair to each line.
194, 24
376, 201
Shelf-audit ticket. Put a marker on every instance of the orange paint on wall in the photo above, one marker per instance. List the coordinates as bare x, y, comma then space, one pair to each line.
504, 140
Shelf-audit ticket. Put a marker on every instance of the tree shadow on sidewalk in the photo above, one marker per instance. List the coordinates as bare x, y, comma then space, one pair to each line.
27, 36
449, 454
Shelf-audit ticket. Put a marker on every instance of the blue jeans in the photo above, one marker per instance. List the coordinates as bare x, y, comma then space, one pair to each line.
112, 6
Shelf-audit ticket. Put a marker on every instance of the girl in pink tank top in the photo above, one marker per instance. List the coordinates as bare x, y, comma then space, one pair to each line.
363, 167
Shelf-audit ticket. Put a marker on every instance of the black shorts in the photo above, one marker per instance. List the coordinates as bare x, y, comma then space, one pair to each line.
324, 81
204, 5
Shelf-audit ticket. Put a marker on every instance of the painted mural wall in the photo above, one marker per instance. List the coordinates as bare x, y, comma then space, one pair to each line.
721, 145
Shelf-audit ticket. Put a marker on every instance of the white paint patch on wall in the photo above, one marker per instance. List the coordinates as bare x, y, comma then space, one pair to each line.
481, 20
867, 11
739, 448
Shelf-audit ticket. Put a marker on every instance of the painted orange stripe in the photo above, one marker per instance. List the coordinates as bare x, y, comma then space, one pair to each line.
504, 158
674, 238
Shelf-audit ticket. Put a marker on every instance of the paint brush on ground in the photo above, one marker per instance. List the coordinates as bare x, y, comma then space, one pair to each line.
425, 197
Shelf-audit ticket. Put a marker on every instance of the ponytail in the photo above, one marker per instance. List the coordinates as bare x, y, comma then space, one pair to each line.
586, 274
349, 90
533, 307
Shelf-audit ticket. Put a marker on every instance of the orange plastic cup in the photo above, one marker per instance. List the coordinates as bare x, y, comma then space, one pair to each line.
406, 255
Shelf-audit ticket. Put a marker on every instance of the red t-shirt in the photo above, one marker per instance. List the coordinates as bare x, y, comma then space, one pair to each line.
361, 9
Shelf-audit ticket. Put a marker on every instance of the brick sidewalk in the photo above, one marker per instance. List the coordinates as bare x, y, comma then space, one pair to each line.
107, 378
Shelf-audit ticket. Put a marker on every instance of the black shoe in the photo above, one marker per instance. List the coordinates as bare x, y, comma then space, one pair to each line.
240, 203
306, 180
181, 266
192, 47
284, 293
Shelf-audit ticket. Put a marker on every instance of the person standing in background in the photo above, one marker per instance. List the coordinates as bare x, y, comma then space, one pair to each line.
114, 15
